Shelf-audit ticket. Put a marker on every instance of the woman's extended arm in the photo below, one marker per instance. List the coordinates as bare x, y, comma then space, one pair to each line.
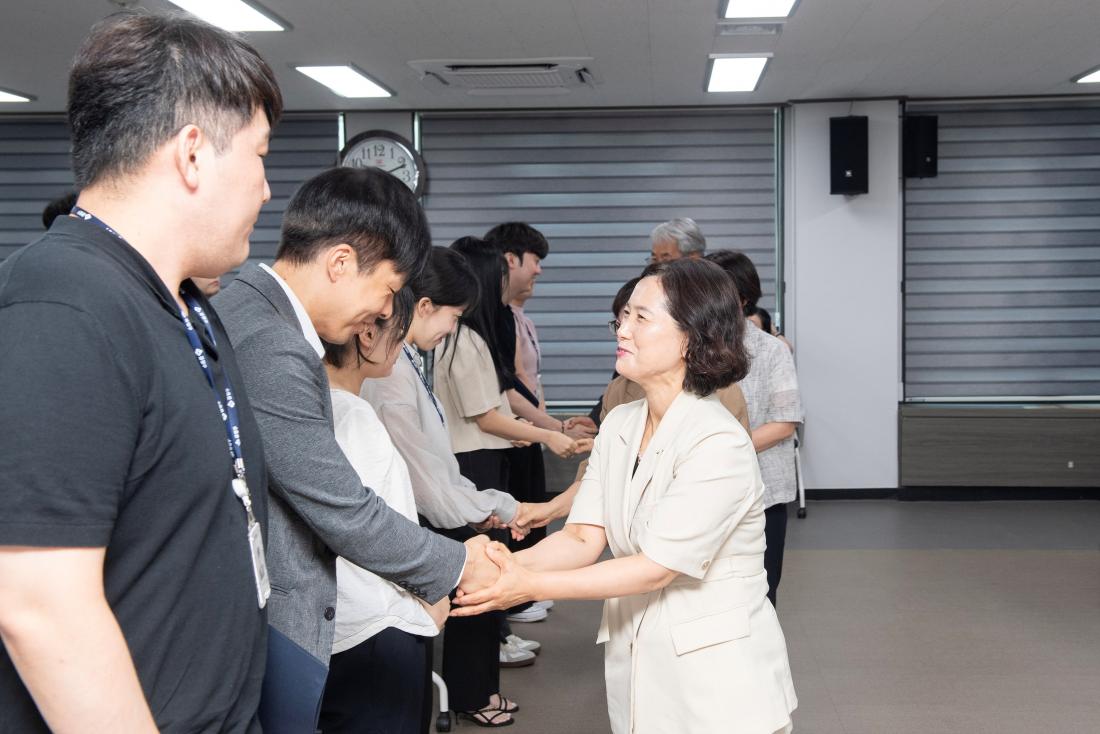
540, 514
496, 423
572, 547
607, 579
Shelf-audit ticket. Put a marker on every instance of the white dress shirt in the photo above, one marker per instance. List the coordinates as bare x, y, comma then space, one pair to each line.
300, 311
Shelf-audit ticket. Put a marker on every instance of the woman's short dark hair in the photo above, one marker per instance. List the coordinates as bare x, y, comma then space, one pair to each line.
519, 238
702, 300
370, 210
390, 330
447, 280
140, 77
743, 272
623, 296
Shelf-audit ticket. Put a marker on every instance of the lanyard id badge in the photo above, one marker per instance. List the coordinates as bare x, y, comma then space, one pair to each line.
255, 544
229, 415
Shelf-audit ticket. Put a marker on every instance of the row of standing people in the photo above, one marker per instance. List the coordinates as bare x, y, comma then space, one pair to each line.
474, 382
136, 594
449, 456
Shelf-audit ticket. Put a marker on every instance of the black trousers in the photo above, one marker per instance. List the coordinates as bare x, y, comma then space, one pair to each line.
380, 686
486, 468
527, 483
775, 534
471, 645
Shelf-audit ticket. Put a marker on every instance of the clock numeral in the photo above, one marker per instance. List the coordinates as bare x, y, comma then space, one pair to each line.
379, 149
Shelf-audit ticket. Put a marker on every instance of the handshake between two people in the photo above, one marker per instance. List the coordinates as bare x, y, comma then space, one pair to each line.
529, 515
577, 436
492, 579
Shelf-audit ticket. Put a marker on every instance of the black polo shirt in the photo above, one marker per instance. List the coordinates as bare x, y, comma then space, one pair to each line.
110, 437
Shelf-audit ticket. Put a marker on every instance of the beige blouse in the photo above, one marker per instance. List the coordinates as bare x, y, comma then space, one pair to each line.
466, 385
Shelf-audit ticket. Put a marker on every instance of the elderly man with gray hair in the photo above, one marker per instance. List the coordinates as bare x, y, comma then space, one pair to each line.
675, 239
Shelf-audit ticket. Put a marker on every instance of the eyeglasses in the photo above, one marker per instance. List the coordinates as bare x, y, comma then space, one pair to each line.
613, 327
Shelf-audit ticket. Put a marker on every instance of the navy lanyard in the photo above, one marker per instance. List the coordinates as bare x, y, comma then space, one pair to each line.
423, 381
228, 409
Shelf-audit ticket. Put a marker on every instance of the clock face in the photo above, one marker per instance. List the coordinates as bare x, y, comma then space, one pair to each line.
388, 152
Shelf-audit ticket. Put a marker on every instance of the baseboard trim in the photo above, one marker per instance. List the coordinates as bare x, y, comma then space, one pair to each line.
958, 494
851, 494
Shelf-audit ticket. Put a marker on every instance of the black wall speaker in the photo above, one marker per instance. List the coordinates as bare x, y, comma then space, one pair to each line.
848, 155
920, 145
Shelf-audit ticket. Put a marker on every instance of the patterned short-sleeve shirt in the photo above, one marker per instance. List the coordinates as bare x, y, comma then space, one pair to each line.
771, 392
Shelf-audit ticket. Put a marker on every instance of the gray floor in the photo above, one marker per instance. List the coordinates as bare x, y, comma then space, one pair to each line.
900, 617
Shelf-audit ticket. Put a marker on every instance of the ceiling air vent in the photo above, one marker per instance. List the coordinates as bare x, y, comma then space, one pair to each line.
526, 76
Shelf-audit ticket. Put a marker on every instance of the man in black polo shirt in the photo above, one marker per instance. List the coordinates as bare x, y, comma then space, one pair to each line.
131, 578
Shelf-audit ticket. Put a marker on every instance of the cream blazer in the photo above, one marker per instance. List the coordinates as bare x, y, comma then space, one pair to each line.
706, 653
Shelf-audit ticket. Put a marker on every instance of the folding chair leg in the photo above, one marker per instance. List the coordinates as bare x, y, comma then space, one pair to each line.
801, 484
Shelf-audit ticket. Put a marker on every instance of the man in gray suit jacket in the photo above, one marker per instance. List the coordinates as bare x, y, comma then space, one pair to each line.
350, 239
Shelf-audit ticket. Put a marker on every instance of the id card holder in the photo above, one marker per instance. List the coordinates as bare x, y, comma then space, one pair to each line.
259, 563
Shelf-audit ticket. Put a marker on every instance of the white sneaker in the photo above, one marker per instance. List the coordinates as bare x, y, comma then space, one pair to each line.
531, 614
529, 645
547, 605
512, 656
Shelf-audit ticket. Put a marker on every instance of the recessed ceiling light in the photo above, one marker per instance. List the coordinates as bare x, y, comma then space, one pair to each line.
735, 73
345, 81
232, 15
1089, 77
758, 8
13, 97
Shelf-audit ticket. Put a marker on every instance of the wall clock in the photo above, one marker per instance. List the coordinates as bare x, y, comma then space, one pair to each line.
388, 152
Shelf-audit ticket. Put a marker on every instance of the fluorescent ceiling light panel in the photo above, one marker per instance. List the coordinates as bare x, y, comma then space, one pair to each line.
735, 74
12, 97
232, 15
345, 81
759, 8
1091, 77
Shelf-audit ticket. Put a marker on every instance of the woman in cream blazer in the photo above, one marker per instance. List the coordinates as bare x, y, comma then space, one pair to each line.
673, 488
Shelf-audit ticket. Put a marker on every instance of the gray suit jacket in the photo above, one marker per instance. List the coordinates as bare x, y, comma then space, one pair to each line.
318, 509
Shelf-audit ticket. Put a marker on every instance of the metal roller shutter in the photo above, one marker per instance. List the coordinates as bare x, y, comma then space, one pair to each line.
1002, 255
35, 167
301, 146
596, 183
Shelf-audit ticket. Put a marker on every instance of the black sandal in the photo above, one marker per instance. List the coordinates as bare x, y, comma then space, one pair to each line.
487, 718
507, 705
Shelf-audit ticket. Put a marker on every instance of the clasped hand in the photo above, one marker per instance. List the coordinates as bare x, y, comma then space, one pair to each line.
512, 586
479, 572
580, 427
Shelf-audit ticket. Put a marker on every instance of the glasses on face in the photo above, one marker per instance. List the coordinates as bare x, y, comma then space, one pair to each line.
613, 327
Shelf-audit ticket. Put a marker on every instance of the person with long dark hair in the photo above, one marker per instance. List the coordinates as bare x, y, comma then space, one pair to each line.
448, 502
471, 378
